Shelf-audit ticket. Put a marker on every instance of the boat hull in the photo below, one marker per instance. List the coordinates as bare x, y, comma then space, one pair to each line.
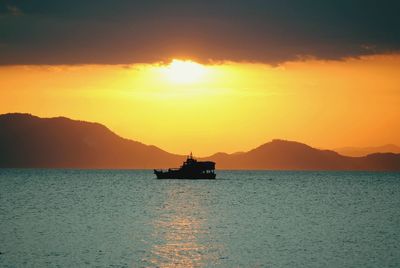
183, 175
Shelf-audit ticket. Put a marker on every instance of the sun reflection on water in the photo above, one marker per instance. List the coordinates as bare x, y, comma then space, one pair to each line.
180, 247
181, 230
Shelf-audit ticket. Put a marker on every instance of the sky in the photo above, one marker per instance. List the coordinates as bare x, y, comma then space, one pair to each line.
208, 76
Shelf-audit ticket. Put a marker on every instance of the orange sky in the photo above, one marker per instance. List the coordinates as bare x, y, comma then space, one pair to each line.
229, 106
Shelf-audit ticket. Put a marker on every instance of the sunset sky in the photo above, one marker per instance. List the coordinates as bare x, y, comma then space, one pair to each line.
208, 76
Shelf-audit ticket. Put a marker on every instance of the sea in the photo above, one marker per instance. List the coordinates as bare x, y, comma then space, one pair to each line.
128, 218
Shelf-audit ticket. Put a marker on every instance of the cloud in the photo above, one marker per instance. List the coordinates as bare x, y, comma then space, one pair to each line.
14, 11
9, 10
126, 32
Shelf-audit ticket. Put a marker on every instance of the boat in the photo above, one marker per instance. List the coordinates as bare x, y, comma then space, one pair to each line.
190, 169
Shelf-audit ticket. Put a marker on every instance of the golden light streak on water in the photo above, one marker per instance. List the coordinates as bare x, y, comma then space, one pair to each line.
179, 231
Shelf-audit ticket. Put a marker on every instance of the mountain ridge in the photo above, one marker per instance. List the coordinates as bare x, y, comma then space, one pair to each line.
363, 151
72, 143
28, 141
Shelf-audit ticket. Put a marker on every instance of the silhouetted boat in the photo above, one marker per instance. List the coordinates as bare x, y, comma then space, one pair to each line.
191, 169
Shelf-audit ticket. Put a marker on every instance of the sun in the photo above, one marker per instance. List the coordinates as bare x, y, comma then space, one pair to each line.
184, 71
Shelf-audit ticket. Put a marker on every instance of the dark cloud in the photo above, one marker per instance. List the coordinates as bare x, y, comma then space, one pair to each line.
126, 31
14, 11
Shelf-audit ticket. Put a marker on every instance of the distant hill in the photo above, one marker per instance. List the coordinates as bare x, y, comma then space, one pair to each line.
289, 155
29, 141
363, 151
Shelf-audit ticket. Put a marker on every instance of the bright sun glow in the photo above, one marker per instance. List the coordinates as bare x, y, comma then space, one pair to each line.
184, 105
184, 72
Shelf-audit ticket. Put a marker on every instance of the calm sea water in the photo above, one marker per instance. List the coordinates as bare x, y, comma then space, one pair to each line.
80, 218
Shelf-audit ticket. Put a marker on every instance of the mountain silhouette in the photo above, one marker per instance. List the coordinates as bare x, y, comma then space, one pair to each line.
30, 141
27, 141
290, 155
363, 151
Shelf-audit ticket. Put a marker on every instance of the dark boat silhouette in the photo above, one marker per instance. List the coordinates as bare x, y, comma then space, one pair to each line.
191, 169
